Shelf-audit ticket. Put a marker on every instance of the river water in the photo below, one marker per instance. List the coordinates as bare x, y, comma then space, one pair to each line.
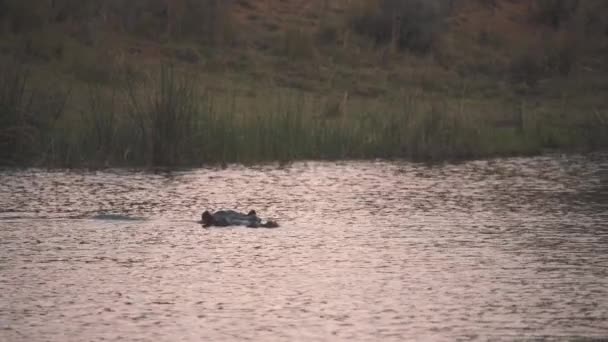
500, 249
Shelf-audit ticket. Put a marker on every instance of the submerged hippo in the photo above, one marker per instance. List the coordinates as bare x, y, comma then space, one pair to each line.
224, 218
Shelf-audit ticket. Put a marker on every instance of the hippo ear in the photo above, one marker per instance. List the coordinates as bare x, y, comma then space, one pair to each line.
252, 213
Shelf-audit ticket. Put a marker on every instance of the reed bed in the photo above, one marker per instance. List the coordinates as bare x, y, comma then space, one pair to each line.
167, 119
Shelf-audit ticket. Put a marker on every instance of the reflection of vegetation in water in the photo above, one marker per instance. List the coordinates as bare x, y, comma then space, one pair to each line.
165, 119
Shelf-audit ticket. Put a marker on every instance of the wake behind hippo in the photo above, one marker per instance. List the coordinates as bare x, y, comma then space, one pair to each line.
225, 218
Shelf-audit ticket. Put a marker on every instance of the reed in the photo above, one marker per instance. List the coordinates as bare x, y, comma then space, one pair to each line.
167, 119
15, 132
27, 115
163, 111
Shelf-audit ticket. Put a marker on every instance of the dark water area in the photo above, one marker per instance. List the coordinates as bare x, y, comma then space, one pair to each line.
497, 249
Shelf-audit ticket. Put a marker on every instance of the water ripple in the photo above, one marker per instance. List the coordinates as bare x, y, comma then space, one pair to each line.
498, 249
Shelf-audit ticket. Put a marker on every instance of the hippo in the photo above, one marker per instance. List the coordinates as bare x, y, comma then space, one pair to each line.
225, 218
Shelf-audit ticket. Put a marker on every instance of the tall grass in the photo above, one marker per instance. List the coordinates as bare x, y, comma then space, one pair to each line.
27, 114
164, 114
14, 130
167, 119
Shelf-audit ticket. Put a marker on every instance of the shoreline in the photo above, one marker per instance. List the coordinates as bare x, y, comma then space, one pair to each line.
281, 164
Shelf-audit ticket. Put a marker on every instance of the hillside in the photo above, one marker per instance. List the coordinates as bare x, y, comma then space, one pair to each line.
510, 63
314, 45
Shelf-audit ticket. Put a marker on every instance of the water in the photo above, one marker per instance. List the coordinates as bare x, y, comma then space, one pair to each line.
500, 249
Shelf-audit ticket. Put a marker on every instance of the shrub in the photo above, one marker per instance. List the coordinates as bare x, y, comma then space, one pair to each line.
410, 24
591, 19
209, 21
298, 44
92, 66
327, 33
23, 16
527, 68
552, 58
561, 59
553, 12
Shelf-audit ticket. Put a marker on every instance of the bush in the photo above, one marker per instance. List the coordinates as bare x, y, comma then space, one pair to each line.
592, 18
553, 13
327, 34
561, 59
298, 44
91, 66
554, 58
410, 24
208, 21
22, 16
526, 68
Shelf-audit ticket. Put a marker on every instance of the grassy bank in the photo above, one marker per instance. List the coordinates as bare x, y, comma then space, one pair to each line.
82, 83
167, 117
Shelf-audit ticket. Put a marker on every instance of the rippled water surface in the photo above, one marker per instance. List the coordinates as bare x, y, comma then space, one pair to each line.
500, 249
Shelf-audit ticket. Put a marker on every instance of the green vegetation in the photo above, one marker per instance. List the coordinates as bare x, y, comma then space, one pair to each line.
26, 115
165, 119
190, 82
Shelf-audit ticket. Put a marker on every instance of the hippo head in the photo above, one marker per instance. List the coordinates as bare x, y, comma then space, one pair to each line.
252, 213
207, 218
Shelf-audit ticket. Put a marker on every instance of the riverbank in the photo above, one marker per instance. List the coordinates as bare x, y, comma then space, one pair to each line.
168, 119
325, 85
